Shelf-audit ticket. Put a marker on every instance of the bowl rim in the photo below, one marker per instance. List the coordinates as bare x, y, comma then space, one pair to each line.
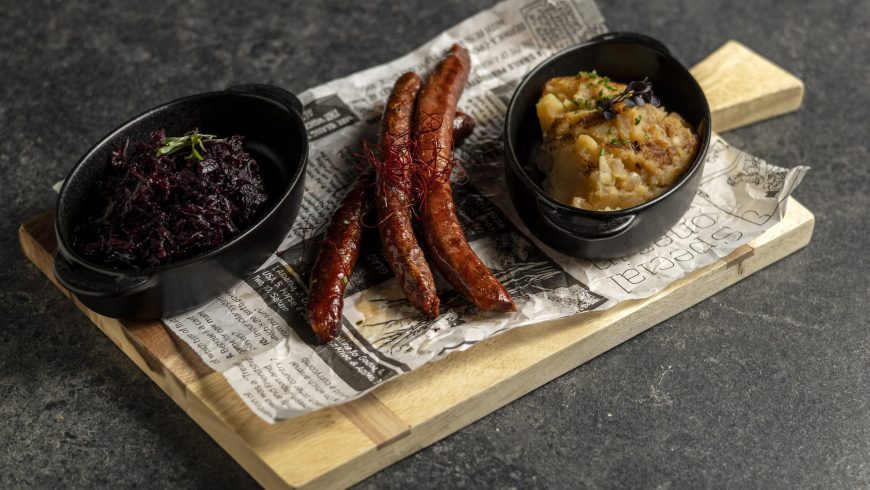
704, 129
72, 256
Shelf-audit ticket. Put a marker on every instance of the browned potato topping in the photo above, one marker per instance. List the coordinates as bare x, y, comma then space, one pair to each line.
607, 164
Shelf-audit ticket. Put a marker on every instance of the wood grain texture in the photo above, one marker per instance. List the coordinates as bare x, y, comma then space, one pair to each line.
742, 87
378, 422
342, 445
335, 446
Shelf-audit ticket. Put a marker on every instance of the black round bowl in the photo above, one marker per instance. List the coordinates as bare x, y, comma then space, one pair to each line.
601, 234
270, 120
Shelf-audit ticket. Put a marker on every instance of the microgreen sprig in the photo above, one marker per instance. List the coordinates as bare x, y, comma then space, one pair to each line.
637, 93
192, 140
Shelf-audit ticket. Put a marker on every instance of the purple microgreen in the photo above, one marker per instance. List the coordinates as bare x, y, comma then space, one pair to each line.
637, 93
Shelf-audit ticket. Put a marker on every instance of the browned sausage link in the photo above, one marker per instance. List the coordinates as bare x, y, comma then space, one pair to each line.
401, 249
444, 237
463, 126
336, 260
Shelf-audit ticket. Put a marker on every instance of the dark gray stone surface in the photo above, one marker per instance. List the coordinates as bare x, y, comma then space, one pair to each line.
763, 385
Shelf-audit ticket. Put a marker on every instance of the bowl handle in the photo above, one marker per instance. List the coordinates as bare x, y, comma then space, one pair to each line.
633, 37
277, 94
590, 228
83, 282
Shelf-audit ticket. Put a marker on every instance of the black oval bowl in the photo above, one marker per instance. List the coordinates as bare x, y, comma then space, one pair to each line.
270, 120
602, 234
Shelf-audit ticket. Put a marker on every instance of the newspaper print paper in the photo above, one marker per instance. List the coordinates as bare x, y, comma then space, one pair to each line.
256, 333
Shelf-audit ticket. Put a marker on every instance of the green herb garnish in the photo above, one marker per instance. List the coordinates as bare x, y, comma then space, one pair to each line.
192, 140
637, 120
605, 82
604, 100
584, 104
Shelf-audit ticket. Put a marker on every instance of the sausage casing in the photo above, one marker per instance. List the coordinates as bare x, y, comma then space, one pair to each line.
335, 262
394, 200
433, 138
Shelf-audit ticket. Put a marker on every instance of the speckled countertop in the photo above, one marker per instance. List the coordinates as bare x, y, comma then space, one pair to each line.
763, 385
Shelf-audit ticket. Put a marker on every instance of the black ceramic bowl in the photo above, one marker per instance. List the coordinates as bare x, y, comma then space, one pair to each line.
600, 234
270, 120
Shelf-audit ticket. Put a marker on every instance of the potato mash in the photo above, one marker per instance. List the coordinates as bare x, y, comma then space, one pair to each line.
602, 164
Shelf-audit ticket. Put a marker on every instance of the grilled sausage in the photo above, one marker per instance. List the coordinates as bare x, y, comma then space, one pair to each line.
463, 126
336, 260
433, 148
394, 200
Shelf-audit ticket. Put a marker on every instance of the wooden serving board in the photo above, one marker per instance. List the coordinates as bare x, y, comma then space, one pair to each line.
342, 445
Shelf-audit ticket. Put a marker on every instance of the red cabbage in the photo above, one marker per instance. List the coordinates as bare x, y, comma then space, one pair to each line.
156, 209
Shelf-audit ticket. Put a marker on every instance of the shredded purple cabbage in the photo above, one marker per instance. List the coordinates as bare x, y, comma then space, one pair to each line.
160, 209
